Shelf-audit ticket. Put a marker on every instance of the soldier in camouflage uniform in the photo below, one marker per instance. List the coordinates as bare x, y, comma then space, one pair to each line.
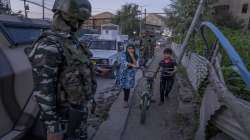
64, 79
148, 44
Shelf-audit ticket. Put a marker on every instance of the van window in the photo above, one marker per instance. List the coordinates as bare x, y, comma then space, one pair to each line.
103, 45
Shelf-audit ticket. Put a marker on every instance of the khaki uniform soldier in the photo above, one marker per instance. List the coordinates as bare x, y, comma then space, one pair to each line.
148, 44
64, 79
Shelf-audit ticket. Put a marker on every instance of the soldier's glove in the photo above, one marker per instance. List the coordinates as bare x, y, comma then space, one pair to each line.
93, 106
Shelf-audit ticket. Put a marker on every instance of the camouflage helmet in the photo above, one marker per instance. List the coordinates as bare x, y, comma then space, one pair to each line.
79, 9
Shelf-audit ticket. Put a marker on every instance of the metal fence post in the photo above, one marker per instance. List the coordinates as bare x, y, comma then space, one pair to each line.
191, 29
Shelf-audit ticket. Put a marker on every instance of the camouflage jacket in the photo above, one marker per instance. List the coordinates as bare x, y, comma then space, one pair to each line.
62, 72
61, 61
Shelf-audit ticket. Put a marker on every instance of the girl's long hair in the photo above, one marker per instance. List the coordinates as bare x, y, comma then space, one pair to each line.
128, 57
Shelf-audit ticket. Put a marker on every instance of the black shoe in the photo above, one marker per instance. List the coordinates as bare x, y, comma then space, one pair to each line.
153, 101
166, 96
161, 103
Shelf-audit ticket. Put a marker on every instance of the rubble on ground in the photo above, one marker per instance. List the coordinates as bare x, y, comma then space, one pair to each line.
104, 101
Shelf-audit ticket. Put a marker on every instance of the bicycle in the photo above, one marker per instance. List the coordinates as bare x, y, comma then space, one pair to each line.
145, 97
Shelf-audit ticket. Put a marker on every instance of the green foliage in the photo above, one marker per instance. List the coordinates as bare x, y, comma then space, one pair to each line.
240, 41
127, 19
238, 38
235, 83
178, 39
181, 13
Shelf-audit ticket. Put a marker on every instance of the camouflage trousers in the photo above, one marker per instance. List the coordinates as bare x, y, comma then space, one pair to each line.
79, 131
72, 125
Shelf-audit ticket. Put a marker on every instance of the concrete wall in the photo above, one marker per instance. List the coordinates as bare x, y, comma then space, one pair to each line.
236, 9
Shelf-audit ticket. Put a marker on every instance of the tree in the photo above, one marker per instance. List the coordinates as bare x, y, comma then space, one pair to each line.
127, 19
181, 13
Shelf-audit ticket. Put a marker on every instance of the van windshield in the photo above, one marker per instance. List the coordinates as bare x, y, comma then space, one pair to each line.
103, 45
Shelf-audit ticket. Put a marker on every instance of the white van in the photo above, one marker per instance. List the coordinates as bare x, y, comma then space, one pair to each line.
107, 47
105, 54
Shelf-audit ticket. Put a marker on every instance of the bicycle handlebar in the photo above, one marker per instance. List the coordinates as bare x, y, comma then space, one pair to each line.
144, 71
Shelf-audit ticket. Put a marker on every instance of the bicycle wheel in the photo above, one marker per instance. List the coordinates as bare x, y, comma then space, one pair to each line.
143, 109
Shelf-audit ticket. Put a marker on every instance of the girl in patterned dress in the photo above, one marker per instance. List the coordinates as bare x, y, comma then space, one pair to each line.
128, 62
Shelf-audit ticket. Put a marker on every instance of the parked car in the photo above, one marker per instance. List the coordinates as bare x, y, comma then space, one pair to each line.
105, 55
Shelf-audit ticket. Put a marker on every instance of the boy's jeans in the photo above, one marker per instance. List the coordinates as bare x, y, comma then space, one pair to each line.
166, 85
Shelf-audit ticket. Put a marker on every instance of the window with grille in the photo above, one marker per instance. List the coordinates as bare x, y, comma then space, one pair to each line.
249, 24
221, 10
244, 8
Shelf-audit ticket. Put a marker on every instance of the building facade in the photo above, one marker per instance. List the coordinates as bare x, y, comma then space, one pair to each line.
96, 21
238, 8
155, 23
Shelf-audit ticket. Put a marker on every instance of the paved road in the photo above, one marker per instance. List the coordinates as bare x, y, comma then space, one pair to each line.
161, 122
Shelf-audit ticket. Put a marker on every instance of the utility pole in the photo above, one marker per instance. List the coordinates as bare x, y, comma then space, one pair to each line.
140, 33
26, 7
140, 25
25, 10
191, 29
43, 9
93, 23
145, 14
